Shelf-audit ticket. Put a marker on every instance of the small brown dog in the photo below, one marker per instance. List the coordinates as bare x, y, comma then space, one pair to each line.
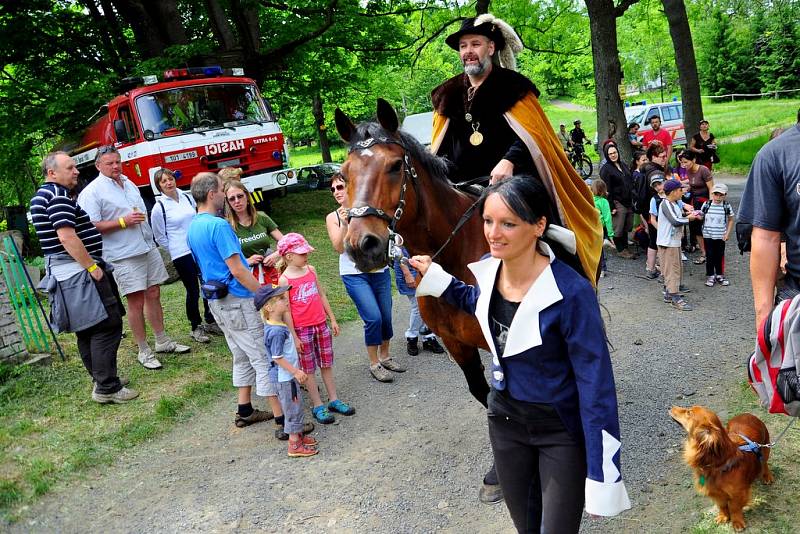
721, 470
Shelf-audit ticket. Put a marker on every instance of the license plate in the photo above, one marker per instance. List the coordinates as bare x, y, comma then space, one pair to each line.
229, 163
180, 157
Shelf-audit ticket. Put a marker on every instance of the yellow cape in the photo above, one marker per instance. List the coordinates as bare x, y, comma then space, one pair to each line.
572, 196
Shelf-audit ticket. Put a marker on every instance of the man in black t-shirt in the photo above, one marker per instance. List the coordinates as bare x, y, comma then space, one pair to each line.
577, 135
771, 203
82, 292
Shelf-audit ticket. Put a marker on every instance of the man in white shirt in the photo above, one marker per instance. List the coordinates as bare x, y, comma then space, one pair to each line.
117, 210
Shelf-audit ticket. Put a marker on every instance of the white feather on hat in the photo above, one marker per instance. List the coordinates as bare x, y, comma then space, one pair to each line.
508, 55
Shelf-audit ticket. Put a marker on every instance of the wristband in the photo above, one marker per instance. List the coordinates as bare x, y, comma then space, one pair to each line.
122, 222
93, 268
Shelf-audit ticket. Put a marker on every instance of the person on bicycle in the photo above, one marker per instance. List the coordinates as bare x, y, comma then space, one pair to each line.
578, 137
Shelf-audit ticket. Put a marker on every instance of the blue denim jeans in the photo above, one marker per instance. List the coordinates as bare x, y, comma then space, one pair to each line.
372, 295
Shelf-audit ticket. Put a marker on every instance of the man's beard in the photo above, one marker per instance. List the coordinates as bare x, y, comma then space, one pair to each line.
480, 68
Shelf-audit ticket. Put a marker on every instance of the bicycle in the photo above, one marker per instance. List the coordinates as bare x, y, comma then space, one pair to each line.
577, 156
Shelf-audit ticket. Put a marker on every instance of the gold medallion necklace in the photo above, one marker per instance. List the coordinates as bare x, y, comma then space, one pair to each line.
476, 138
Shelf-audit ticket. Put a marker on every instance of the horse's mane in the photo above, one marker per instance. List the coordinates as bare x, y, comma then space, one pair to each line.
437, 167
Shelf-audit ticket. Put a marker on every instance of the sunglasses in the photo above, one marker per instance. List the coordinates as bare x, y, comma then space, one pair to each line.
234, 198
339, 187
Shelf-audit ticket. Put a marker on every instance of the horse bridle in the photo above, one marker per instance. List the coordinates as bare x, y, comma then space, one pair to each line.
409, 173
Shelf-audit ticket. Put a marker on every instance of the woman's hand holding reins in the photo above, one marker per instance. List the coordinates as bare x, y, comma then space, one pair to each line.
421, 263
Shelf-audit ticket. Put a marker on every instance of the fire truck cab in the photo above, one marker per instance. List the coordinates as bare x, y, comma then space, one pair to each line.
198, 119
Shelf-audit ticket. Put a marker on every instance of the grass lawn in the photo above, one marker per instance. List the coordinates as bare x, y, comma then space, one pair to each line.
51, 431
773, 508
310, 155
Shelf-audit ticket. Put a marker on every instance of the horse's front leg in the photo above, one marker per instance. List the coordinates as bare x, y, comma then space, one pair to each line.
469, 360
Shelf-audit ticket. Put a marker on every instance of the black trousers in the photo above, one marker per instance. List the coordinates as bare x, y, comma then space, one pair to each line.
715, 257
541, 468
190, 277
98, 344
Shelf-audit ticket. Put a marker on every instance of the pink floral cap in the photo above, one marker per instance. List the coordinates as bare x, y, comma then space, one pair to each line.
294, 242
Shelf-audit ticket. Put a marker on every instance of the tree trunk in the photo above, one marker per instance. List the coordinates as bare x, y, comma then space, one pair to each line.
220, 25
149, 39
319, 123
687, 66
607, 76
116, 33
115, 60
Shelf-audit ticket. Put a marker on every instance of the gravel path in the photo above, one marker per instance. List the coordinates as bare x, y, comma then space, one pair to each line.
411, 459
563, 104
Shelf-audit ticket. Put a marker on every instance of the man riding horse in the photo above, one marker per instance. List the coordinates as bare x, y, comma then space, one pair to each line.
488, 122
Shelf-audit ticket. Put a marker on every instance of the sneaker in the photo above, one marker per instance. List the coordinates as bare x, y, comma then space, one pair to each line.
667, 298
682, 305
120, 397
322, 415
171, 346
683, 257
212, 329
309, 441
710, 281
380, 374
627, 254
256, 417
412, 348
124, 381
602, 274
199, 335
723, 281
298, 449
341, 407
392, 365
432, 344
148, 359
652, 275
683, 289
283, 436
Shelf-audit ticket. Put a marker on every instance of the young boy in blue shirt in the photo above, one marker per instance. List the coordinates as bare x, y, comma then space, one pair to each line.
273, 303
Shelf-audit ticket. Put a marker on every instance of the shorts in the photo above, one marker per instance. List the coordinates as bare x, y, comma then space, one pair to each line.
137, 273
292, 408
244, 333
316, 347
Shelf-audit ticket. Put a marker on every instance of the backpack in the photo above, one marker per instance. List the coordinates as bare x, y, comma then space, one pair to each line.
707, 206
640, 193
772, 368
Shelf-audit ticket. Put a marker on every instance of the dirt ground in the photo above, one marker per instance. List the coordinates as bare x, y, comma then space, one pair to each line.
412, 457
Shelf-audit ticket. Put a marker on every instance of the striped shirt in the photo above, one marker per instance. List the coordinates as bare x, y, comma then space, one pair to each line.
52, 207
715, 220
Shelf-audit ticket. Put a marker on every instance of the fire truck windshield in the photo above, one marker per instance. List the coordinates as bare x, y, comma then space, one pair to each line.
186, 109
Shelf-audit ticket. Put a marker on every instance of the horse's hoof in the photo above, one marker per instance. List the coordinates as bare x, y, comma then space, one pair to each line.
490, 494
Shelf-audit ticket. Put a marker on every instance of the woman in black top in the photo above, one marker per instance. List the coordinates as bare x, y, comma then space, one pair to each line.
619, 181
704, 144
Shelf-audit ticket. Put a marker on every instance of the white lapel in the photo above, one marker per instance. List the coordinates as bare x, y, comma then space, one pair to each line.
524, 332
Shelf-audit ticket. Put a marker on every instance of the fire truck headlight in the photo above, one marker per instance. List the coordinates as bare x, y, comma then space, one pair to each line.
281, 178
290, 174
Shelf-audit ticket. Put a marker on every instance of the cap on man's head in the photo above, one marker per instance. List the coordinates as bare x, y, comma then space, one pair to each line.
294, 242
671, 185
266, 292
655, 176
720, 188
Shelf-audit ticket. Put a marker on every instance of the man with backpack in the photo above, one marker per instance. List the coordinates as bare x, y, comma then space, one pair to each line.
771, 203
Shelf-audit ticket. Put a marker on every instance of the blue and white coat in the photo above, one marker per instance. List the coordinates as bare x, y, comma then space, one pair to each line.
555, 354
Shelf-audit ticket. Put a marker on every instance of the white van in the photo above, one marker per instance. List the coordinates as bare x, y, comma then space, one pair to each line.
671, 114
420, 126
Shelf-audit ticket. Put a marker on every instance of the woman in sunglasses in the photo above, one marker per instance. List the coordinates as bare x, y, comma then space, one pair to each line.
370, 292
254, 230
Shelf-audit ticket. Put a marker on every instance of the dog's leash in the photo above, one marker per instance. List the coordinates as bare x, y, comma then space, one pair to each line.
771, 445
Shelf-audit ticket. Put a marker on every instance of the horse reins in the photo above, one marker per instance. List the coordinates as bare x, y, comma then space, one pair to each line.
409, 172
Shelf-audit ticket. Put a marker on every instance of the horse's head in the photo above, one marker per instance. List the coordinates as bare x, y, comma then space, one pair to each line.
378, 171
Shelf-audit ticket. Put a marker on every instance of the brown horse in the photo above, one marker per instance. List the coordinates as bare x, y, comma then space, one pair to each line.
396, 186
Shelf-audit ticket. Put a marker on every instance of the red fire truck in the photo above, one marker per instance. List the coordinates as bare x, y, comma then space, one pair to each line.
197, 119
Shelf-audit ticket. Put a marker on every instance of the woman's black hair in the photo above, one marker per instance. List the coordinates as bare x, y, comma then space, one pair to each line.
687, 154
636, 155
526, 196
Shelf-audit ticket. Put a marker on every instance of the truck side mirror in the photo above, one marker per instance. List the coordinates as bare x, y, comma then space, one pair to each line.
121, 131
